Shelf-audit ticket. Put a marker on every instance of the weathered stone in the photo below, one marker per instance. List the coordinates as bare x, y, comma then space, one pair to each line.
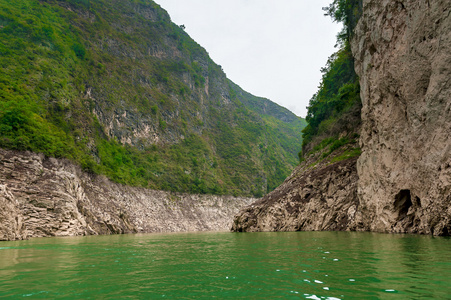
51, 197
402, 181
11, 221
317, 196
403, 58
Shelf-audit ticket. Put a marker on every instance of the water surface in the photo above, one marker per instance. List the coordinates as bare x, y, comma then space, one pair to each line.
293, 265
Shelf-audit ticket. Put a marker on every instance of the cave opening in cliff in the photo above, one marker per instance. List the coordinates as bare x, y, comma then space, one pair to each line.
403, 201
445, 231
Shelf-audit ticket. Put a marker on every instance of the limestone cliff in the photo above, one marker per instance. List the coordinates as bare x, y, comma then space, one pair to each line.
42, 196
403, 58
402, 180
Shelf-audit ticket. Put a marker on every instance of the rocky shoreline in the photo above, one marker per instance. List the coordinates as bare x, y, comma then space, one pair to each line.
319, 195
42, 196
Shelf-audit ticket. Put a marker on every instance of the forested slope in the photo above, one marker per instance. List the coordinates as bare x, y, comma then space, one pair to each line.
118, 88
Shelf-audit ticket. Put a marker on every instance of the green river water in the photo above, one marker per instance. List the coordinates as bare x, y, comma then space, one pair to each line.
291, 265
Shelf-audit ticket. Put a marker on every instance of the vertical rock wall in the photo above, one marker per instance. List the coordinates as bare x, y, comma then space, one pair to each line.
402, 180
403, 58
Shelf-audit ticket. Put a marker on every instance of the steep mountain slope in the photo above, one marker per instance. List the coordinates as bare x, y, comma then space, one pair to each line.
118, 88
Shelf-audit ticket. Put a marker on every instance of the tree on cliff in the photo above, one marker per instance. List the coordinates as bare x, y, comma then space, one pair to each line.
339, 88
347, 12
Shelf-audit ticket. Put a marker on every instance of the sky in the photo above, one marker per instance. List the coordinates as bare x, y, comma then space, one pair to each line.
270, 48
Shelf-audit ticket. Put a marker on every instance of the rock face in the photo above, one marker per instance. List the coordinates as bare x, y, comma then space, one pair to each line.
401, 183
317, 196
42, 196
403, 58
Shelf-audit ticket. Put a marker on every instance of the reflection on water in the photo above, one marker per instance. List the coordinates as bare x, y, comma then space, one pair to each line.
309, 265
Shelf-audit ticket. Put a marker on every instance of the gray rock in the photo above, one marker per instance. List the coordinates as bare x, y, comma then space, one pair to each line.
401, 183
403, 58
317, 196
42, 196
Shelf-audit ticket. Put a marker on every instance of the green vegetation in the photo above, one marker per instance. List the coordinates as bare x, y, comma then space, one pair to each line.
353, 152
339, 90
333, 143
117, 88
336, 105
336, 144
346, 12
150, 167
36, 86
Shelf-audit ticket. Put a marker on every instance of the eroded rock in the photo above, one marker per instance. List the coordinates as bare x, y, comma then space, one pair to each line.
317, 196
401, 183
42, 196
403, 58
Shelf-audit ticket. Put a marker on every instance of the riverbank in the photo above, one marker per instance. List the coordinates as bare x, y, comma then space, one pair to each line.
43, 196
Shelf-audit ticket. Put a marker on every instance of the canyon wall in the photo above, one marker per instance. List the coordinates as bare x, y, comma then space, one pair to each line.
401, 183
402, 54
42, 196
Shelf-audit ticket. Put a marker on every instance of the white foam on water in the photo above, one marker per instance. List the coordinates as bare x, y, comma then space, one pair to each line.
313, 297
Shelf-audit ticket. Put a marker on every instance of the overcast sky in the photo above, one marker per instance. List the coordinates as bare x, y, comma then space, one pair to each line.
271, 48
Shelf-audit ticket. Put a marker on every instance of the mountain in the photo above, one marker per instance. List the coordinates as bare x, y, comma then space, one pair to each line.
119, 89
379, 162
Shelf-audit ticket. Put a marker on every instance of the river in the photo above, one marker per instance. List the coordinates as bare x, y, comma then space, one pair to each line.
285, 265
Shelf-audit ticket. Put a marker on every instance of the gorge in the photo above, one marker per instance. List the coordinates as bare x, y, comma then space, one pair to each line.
113, 120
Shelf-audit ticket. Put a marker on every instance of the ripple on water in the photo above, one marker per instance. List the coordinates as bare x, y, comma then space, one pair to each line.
226, 265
